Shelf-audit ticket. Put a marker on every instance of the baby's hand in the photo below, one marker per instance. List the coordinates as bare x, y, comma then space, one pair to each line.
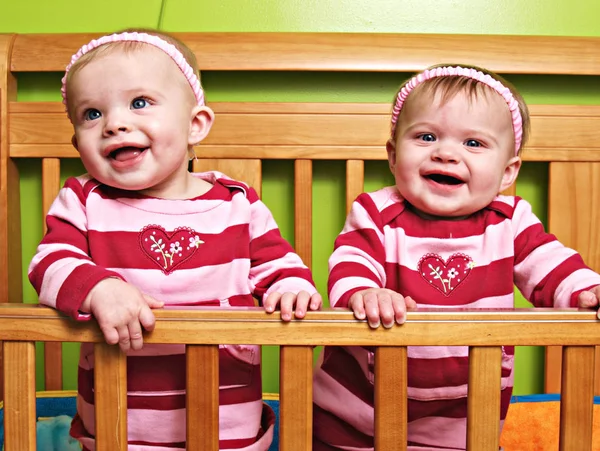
121, 311
590, 298
380, 305
287, 301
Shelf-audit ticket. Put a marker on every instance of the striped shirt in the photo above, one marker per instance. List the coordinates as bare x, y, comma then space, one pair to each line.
219, 249
470, 263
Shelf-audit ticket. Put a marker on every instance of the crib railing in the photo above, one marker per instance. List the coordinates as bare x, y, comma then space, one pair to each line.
203, 330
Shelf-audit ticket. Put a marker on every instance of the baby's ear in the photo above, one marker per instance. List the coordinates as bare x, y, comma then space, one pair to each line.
511, 171
202, 120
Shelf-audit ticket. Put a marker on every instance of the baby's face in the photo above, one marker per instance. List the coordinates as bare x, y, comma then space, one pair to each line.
132, 114
451, 159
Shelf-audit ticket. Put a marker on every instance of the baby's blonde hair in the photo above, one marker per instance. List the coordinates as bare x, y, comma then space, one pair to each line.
131, 46
449, 86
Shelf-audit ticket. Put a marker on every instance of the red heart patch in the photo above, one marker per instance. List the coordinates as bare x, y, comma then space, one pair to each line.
445, 276
169, 250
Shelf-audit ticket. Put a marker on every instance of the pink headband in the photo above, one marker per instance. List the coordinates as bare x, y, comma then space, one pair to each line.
157, 42
486, 79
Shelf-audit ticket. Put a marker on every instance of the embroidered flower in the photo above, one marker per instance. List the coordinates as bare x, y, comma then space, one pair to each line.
452, 273
176, 247
195, 241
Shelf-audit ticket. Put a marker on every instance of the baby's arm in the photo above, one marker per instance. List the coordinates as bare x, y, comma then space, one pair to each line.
357, 277
277, 274
66, 278
548, 273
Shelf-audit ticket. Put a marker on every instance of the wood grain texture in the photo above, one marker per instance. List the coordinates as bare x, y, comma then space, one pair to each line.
19, 401
11, 289
296, 395
483, 399
202, 397
52, 351
247, 171
552, 369
538, 327
110, 397
355, 181
361, 52
303, 177
576, 399
323, 131
391, 405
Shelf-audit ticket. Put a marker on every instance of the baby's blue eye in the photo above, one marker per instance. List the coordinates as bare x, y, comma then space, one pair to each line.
472, 143
139, 103
92, 114
427, 137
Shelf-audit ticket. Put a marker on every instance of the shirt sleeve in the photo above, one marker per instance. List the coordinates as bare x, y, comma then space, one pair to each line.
358, 259
546, 272
62, 271
274, 266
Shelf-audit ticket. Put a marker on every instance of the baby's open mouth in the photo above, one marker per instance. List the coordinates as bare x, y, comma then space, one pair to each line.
126, 153
444, 179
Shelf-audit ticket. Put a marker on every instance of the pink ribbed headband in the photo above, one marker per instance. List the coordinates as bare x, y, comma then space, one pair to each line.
169, 49
486, 79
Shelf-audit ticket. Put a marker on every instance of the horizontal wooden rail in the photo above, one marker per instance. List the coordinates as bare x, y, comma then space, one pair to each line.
367, 52
327, 131
203, 329
519, 327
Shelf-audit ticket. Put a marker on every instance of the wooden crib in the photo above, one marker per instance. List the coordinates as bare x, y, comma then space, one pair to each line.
245, 134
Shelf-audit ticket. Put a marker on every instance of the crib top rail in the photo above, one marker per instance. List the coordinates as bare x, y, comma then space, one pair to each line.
377, 52
431, 327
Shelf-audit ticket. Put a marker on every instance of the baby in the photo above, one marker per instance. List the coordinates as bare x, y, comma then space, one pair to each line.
139, 231
441, 237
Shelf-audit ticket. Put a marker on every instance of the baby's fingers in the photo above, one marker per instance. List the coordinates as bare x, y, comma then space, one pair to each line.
400, 304
316, 302
146, 318
587, 299
357, 305
372, 305
152, 303
270, 304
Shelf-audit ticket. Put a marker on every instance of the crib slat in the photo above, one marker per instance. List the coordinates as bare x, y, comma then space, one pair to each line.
577, 393
202, 399
296, 398
390, 398
19, 390
248, 171
52, 351
483, 400
355, 181
110, 379
303, 210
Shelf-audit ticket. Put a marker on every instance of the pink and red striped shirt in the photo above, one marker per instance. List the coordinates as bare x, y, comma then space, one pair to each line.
220, 249
470, 263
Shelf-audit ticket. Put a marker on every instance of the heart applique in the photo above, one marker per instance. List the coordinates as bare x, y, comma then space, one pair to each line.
169, 250
445, 276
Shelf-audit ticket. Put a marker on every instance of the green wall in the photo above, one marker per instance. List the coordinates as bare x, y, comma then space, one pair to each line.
539, 17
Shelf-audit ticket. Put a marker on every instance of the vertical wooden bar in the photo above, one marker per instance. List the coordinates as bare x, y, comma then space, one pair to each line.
110, 398
355, 181
247, 171
483, 401
19, 403
597, 371
577, 394
573, 194
296, 398
11, 288
52, 350
391, 390
303, 210
553, 369
202, 398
